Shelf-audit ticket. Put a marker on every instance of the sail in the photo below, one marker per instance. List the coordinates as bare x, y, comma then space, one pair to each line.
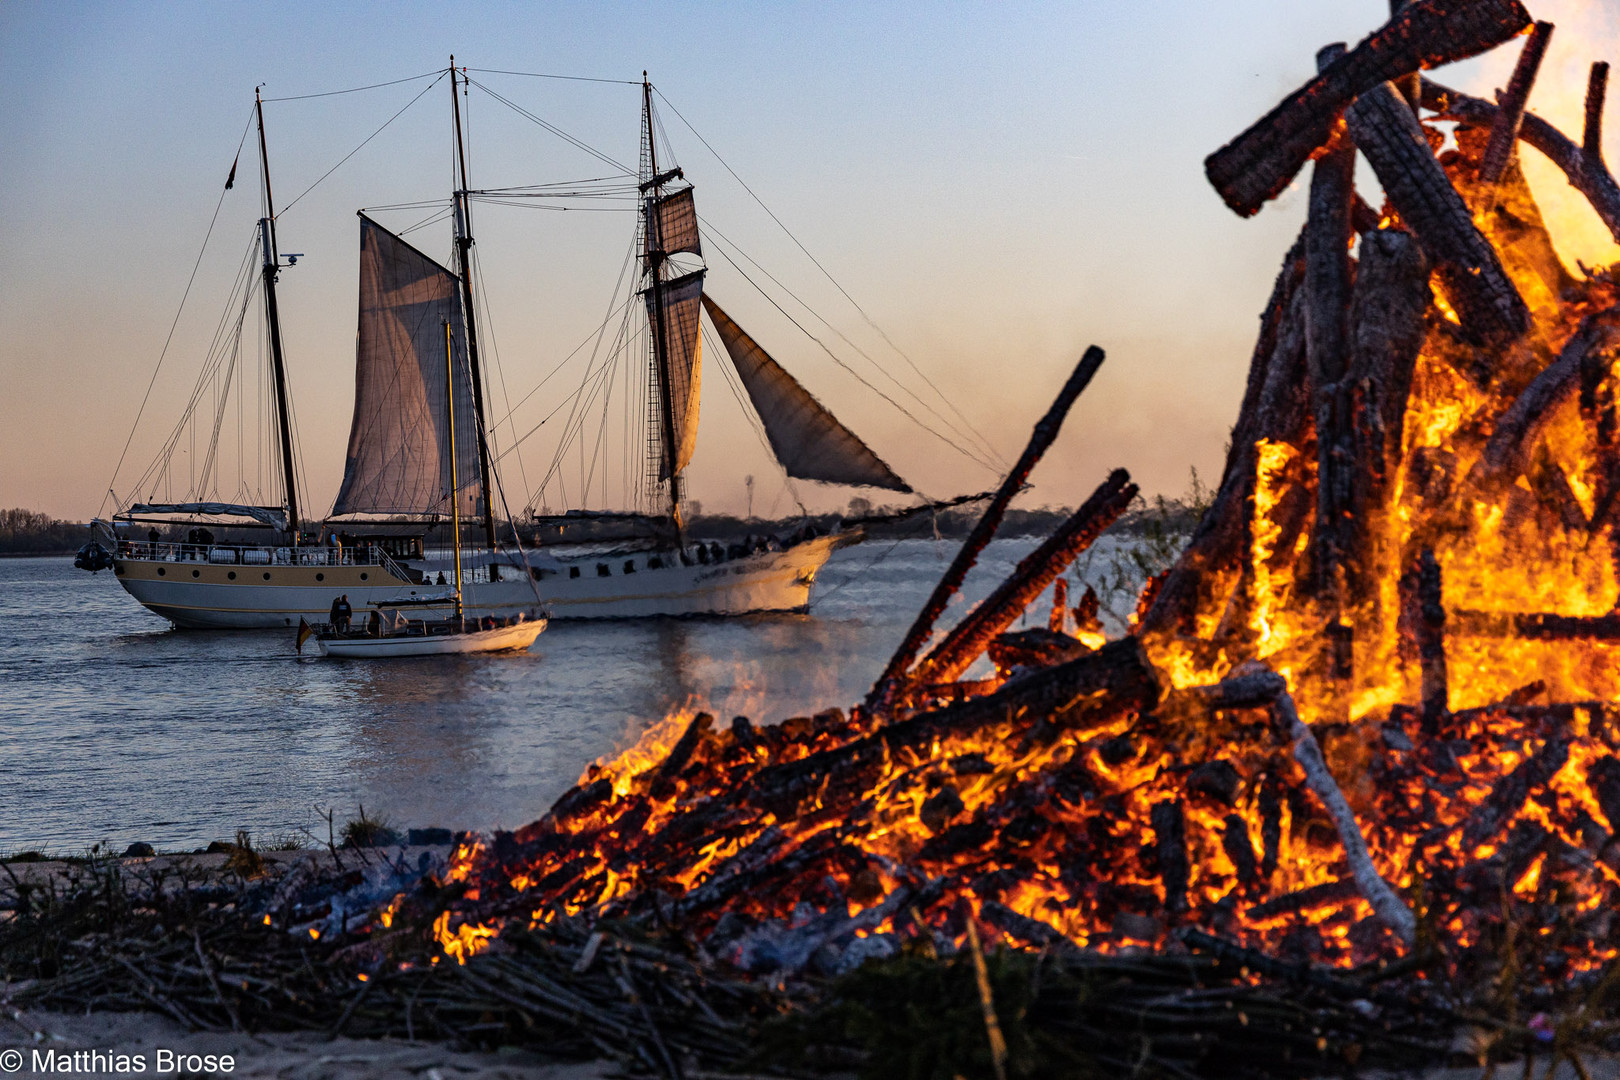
672, 225
399, 443
808, 440
685, 364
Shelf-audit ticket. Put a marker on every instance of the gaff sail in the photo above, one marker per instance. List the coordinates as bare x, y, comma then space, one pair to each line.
809, 441
684, 364
399, 443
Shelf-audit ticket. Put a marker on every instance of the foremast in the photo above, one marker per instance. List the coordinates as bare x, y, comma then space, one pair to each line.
656, 257
278, 365
464, 243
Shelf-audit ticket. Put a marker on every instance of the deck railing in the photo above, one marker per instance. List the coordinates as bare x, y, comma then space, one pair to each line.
255, 554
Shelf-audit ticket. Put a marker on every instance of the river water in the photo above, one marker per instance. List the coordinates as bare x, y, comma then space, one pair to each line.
116, 728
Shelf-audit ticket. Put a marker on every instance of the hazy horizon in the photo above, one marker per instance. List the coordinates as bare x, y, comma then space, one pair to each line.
998, 187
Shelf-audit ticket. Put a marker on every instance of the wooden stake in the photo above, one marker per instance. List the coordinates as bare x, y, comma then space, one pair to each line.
1510, 106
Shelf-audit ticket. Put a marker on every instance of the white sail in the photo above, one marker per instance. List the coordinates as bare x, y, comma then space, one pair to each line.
684, 353
399, 443
673, 226
808, 440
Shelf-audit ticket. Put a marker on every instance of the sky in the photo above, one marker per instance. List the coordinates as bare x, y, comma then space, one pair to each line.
996, 186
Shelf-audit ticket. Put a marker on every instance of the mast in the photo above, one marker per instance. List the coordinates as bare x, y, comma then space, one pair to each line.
655, 266
464, 243
278, 366
455, 489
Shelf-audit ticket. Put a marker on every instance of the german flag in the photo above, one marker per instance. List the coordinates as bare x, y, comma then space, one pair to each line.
304, 631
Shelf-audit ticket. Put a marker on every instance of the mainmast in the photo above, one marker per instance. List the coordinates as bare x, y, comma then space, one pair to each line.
655, 266
464, 243
272, 267
455, 491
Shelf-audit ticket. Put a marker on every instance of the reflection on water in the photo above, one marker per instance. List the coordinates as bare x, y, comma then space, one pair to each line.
114, 727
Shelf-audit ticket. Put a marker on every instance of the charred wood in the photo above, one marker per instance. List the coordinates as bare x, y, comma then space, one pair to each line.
1491, 310
1510, 107
1042, 437
1507, 455
1327, 893
1033, 649
1507, 798
1239, 848
663, 784
1169, 825
1274, 408
1597, 84
1586, 171
968, 639
1431, 641
1327, 308
1258, 164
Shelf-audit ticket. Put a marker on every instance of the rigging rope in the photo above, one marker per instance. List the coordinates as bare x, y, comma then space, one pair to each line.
167, 341
356, 89
362, 145
564, 78
869, 320
555, 130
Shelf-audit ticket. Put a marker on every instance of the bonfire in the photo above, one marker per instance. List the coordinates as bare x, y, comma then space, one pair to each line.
1360, 741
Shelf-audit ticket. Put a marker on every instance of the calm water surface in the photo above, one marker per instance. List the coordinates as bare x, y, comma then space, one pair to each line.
115, 727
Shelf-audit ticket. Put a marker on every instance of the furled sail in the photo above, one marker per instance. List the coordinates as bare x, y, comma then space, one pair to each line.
399, 442
673, 226
808, 440
684, 357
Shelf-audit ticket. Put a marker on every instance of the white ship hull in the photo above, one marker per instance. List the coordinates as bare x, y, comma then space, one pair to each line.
500, 639
206, 595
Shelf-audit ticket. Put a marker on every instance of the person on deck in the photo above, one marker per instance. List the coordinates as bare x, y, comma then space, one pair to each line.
341, 613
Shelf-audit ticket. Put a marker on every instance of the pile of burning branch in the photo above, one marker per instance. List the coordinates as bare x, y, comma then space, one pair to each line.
1357, 755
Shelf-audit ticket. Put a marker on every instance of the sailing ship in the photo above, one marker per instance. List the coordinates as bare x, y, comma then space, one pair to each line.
402, 473
390, 634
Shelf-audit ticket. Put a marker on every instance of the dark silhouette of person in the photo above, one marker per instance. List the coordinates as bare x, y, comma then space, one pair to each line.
341, 613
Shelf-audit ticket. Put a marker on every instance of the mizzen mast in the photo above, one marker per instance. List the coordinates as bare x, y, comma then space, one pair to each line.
464, 243
272, 267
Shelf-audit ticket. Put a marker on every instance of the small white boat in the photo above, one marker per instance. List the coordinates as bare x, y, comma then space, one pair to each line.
393, 635
434, 639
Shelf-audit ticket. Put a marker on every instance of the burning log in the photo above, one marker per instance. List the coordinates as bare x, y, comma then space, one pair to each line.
1274, 409
1509, 795
1327, 307
1594, 344
1169, 825
1491, 310
969, 638
1430, 629
1046, 431
1582, 164
1510, 108
1388, 316
1258, 164
1036, 648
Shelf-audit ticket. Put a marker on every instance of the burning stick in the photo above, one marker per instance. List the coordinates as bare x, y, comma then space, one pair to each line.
1039, 441
1505, 131
969, 638
1485, 298
1507, 454
1374, 889
1258, 164
1582, 164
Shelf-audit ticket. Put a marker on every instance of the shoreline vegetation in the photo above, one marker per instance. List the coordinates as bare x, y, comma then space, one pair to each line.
26, 532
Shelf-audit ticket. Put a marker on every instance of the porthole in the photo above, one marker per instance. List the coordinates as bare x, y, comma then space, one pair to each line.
231, 574
162, 572
267, 575
364, 577
320, 577
573, 571
196, 573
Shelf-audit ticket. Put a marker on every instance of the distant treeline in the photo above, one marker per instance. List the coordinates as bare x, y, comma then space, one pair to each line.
28, 532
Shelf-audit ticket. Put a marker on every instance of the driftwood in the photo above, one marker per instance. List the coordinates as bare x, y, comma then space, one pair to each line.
1258, 164
1327, 307
1491, 310
1046, 431
1507, 453
969, 638
1582, 163
1505, 131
